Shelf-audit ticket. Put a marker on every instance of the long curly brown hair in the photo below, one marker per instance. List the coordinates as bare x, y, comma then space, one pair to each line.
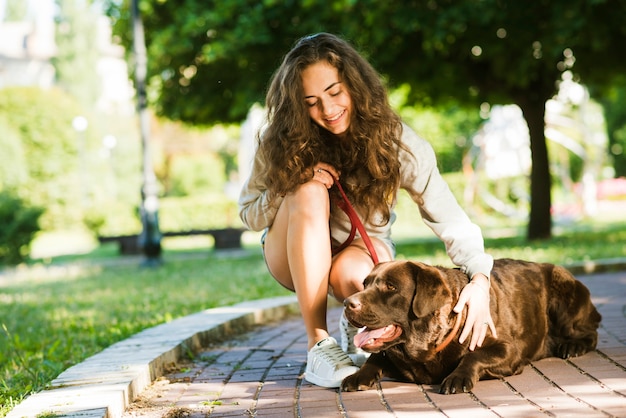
292, 143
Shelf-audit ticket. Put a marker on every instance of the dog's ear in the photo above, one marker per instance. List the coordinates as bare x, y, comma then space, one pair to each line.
431, 291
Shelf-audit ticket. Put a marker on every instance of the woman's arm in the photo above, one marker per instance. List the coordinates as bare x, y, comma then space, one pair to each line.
463, 239
256, 209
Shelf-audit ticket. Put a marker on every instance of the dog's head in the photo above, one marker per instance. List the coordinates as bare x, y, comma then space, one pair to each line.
403, 302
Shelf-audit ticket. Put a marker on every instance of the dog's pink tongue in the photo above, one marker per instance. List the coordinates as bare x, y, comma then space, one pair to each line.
362, 338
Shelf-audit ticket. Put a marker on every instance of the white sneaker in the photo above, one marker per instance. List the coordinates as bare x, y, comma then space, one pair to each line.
327, 364
348, 332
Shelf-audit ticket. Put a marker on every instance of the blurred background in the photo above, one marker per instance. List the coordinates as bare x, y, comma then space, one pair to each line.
525, 106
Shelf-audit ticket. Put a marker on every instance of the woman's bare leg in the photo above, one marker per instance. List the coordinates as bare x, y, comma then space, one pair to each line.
352, 265
298, 254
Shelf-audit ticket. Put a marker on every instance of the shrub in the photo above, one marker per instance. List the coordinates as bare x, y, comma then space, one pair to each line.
20, 223
42, 154
207, 212
211, 211
196, 174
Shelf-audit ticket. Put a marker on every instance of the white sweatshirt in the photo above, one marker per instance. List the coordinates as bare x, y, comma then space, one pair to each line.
420, 177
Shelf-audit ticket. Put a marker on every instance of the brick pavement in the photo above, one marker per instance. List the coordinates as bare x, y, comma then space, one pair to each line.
260, 375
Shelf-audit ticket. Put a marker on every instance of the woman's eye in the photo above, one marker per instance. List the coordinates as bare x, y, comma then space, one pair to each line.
311, 104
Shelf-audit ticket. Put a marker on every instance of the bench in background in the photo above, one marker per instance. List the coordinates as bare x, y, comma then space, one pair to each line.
226, 238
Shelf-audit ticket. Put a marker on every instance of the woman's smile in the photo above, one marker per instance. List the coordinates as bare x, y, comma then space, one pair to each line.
328, 100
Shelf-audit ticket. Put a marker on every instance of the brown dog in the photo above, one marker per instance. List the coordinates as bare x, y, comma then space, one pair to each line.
539, 310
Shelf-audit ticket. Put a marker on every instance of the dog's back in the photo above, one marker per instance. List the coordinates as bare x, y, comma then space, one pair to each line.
552, 310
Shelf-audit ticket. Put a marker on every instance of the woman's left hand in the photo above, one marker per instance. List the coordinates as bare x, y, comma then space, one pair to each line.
476, 296
325, 174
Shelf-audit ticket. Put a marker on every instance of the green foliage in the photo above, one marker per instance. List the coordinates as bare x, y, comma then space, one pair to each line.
13, 170
187, 213
113, 218
196, 174
182, 213
465, 50
614, 102
20, 222
45, 150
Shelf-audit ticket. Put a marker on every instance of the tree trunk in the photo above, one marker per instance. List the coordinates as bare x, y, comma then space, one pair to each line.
150, 237
540, 222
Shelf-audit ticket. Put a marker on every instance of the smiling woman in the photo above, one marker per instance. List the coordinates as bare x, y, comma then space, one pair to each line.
330, 123
330, 106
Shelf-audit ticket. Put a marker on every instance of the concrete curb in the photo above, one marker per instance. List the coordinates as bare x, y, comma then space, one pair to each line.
105, 384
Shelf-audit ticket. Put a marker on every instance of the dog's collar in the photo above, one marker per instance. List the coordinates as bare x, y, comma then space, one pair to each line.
452, 334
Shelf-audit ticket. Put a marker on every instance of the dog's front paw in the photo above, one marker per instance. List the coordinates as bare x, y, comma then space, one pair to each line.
572, 348
457, 383
357, 381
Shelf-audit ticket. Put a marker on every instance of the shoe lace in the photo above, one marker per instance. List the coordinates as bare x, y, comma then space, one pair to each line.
334, 355
348, 333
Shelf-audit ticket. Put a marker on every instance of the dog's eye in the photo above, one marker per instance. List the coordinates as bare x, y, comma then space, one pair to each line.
391, 287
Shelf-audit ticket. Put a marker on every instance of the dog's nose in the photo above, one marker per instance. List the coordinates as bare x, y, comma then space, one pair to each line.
352, 303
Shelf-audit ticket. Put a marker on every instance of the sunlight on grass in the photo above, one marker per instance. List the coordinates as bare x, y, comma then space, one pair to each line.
53, 324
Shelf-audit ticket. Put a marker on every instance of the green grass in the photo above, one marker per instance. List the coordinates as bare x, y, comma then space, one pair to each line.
55, 315
56, 318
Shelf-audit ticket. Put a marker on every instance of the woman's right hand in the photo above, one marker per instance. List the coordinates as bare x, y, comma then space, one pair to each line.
325, 174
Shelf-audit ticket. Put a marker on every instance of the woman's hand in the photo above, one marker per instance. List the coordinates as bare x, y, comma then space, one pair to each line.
325, 174
476, 296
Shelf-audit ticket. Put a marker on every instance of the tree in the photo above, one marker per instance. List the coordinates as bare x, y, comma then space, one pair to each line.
41, 152
614, 103
210, 60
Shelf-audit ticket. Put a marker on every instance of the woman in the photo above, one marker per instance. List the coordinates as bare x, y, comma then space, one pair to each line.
329, 120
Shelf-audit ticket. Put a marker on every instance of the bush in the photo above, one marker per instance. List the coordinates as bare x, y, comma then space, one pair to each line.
176, 214
20, 223
113, 218
207, 212
42, 153
196, 174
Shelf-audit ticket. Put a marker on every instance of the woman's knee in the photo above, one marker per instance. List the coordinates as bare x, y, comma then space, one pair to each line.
348, 272
311, 196
352, 266
308, 204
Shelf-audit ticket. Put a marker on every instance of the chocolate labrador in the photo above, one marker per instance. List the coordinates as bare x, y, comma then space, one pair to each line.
539, 310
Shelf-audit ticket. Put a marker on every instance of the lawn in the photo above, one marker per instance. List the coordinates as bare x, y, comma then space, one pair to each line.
56, 314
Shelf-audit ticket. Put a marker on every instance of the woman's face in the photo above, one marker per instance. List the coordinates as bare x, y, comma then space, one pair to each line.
328, 101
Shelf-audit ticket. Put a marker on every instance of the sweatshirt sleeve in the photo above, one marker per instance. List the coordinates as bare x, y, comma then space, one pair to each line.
256, 210
439, 208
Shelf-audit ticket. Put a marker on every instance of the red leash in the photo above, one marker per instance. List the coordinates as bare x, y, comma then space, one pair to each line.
356, 224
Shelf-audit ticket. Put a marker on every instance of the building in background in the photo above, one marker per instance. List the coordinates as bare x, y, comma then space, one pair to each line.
28, 46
